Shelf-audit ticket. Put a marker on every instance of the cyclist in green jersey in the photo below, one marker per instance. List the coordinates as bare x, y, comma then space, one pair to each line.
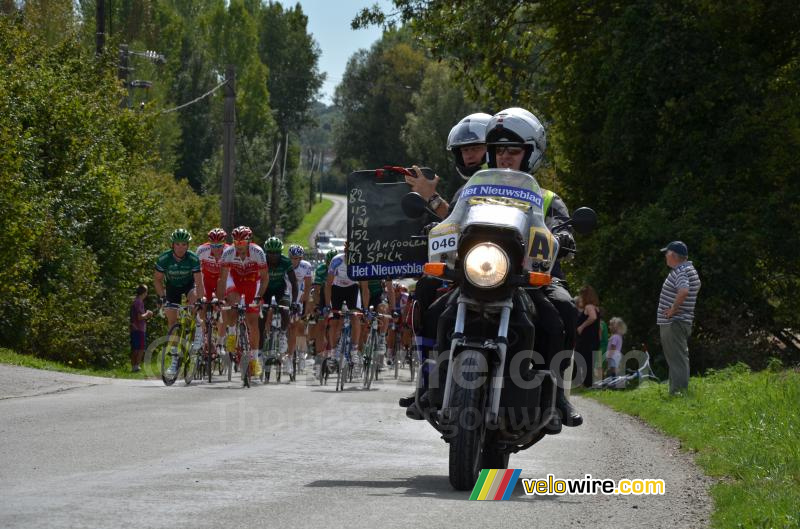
177, 274
280, 269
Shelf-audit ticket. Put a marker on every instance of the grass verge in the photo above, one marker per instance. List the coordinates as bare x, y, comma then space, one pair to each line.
745, 430
303, 232
10, 357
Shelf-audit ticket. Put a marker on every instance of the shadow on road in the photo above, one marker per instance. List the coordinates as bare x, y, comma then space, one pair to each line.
436, 487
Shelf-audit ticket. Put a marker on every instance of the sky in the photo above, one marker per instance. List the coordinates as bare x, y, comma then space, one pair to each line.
329, 23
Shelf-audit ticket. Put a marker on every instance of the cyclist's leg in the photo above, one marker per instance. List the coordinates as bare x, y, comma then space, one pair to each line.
352, 294
335, 325
252, 316
284, 345
317, 332
174, 296
191, 299
232, 298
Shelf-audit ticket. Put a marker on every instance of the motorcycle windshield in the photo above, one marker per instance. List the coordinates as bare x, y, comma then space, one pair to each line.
504, 199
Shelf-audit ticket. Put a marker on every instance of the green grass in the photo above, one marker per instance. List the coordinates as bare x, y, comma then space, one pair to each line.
745, 430
8, 356
303, 232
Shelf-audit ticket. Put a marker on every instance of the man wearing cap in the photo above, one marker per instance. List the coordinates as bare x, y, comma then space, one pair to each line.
676, 313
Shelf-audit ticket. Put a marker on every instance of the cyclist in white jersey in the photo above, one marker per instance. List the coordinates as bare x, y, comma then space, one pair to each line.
341, 289
303, 272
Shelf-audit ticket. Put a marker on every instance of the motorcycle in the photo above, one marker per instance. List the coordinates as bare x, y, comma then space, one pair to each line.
498, 393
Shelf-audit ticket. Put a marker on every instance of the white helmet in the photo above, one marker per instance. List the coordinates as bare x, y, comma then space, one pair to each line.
471, 130
517, 126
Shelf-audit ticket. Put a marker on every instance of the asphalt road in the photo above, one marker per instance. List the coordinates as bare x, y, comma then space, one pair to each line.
89, 452
334, 220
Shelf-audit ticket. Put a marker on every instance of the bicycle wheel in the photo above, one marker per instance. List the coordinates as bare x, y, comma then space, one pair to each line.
340, 368
370, 363
396, 360
208, 354
244, 350
411, 355
323, 372
171, 349
293, 372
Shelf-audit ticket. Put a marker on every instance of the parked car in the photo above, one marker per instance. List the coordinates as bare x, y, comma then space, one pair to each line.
337, 243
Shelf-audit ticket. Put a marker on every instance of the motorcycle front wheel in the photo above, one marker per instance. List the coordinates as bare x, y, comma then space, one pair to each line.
467, 441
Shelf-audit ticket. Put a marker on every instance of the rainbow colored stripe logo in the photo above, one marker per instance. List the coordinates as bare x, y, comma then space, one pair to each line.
494, 484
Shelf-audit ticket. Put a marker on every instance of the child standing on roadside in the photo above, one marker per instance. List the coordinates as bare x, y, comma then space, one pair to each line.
614, 355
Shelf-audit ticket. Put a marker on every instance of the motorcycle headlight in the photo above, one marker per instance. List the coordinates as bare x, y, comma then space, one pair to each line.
486, 265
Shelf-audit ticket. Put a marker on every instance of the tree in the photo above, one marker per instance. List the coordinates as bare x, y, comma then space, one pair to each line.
292, 56
81, 208
673, 120
438, 106
374, 98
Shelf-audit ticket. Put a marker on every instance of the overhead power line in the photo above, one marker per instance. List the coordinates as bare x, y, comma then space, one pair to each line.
195, 100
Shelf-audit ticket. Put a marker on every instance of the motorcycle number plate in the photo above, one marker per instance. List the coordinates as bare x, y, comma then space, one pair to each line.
443, 243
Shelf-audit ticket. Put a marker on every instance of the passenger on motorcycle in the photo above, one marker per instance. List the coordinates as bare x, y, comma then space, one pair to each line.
467, 143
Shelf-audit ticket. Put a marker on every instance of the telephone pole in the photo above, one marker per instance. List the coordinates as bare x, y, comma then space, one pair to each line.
100, 16
228, 148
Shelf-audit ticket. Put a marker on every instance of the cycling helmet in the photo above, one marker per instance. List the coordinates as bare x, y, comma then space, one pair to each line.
296, 250
517, 126
471, 130
217, 235
330, 255
273, 244
180, 235
242, 233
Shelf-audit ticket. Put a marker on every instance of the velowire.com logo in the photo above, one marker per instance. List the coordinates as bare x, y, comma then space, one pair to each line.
494, 484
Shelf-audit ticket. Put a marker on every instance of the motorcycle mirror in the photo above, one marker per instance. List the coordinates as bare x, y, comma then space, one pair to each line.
584, 220
414, 206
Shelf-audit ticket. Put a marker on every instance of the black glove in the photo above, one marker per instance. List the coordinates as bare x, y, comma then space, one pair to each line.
428, 227
566, 244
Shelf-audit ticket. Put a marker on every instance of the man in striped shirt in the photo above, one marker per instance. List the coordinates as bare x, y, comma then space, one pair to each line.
676, 314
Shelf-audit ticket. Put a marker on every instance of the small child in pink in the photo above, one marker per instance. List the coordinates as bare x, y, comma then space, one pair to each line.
617, 328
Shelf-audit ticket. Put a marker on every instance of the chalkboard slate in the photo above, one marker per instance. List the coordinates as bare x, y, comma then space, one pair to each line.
379, 234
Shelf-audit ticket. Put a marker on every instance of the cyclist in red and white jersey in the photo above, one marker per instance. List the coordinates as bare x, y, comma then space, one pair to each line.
210, 255
243, 273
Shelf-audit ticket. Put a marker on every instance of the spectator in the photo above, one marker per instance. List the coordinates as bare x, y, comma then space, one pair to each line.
587, 343
676, 314
138, 327
614, 355
600, 358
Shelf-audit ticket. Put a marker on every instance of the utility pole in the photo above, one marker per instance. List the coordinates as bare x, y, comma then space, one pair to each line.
100, 16
228, 146
311, 182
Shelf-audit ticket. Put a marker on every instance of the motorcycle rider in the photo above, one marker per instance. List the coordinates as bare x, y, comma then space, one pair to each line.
517, 140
